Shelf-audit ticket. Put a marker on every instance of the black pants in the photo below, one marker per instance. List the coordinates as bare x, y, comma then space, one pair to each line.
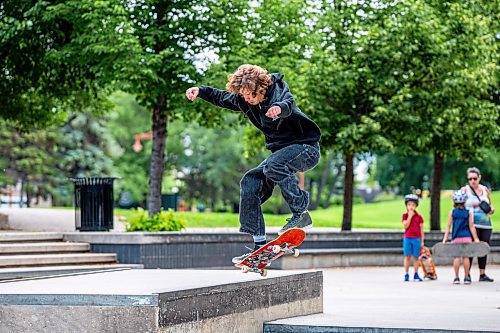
483, 235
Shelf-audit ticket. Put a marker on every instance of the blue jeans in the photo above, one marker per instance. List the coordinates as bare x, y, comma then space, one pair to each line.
279, 168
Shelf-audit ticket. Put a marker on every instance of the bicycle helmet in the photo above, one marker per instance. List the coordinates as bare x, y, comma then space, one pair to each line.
459, 197
411, 197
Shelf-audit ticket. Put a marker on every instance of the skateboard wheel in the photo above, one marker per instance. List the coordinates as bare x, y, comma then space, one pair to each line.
263, 273
245, 269
296, 253
276, 249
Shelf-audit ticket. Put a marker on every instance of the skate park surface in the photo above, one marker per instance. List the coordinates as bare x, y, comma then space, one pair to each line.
375, 299
362, 299
353, 299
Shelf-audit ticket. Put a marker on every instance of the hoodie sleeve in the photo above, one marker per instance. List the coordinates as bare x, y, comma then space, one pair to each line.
285, 101
221, 98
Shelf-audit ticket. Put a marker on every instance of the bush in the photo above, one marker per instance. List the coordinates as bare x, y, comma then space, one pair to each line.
163, 221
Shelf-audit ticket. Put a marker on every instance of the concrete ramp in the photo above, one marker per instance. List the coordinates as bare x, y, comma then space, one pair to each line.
158, 301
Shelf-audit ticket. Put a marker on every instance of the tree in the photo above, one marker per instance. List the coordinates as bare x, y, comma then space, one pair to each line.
342, 86
441, 63
38, 84
148, 48
29, 158
42, 160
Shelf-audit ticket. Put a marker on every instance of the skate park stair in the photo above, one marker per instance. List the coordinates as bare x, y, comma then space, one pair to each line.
24, 254
158, 300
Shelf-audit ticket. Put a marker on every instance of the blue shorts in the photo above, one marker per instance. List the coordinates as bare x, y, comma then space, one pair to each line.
411, 247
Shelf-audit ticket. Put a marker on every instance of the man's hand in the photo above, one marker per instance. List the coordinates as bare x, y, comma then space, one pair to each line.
273, 112
192, 93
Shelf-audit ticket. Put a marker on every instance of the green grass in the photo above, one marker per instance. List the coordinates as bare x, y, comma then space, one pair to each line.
378, 215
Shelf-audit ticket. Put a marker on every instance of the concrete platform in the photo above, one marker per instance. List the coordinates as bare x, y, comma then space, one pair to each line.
18, 273
376, 300
158, 301
56, 259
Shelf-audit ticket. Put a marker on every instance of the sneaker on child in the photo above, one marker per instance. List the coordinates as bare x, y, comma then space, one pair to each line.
456, 281
417, 278
407, 277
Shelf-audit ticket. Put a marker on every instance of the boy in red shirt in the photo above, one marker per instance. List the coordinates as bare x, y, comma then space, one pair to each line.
414, 235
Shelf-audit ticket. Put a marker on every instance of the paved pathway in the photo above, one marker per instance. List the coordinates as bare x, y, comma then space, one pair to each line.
45, 219
377, 297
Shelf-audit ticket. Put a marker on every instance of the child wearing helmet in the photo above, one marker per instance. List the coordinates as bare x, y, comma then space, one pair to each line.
461, 222
414, 236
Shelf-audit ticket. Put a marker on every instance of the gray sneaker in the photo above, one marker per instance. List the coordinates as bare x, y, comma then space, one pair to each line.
301, 221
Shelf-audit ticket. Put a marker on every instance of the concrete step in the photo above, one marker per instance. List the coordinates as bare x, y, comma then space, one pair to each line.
17, 273
56, 259
42, 247
158, 300
30, 237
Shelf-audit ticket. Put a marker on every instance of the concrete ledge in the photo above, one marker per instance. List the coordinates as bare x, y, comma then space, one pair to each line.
30, 236
56, 259
283, 328
326, 258
43, 247
322, 239
215, 249
75, 319
24, 273
158, 301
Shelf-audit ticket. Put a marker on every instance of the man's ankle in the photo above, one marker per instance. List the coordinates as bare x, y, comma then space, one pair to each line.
259, 244
259, 240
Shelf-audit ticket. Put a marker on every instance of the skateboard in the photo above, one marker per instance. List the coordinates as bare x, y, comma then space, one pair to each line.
461, 249
427, 263
258, 260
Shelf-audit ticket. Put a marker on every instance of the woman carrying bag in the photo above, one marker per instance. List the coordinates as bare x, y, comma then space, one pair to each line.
479, 202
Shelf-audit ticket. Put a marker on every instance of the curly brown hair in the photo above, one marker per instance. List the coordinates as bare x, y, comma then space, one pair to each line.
251, 78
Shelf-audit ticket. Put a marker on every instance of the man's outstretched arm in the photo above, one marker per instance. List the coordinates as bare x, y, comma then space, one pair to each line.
217, 97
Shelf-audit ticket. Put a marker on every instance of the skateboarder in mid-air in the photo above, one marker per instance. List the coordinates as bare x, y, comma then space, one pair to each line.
463, 231
290, 135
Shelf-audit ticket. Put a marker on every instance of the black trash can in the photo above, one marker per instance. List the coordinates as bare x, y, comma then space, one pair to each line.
93, 203
170, 201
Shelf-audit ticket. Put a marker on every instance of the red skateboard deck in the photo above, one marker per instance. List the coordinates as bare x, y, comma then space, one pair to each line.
427, 263
258, 260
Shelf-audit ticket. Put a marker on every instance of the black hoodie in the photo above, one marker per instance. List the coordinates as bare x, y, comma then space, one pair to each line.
292, 127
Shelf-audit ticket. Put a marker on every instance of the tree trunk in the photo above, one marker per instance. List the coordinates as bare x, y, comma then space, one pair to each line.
28, 195
159, 129
21, 192
324, 177
437, 178
348, 193
332, 187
